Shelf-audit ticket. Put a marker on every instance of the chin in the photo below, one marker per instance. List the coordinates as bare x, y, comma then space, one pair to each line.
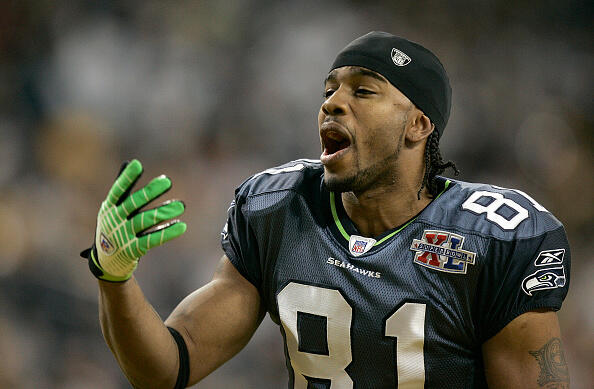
338, 184
358, 182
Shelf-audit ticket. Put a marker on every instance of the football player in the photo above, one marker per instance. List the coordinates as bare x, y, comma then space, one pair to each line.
379, 272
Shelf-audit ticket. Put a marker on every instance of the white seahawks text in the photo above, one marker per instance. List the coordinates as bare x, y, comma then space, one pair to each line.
348, 266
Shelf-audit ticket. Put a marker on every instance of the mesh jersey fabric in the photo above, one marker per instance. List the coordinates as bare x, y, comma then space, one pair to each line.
282, 236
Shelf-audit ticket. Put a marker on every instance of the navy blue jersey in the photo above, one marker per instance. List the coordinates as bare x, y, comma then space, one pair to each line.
410, 308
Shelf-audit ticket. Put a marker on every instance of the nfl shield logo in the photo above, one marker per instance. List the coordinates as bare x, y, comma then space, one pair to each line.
359, 246
106, 246
399, 58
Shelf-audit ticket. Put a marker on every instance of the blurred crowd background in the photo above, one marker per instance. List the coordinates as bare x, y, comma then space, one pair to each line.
210, 92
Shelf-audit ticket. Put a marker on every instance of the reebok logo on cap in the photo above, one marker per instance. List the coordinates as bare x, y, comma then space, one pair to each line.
399, 58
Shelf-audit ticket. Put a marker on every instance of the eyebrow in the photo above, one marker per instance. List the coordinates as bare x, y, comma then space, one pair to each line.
357, 71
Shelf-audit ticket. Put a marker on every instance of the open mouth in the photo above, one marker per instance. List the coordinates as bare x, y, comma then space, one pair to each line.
334, 142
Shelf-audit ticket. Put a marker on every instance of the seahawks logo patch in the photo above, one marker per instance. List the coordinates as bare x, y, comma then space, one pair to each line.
549, 278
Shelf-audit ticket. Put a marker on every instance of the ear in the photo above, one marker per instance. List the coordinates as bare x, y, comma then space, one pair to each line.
420, 127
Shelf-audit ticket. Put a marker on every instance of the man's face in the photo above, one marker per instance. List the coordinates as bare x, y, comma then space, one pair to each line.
361, 123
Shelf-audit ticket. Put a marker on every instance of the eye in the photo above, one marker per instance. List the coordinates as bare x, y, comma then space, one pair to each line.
363, 91
327, 93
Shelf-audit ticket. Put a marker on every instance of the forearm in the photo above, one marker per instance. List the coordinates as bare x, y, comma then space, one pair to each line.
137, 336
527, 353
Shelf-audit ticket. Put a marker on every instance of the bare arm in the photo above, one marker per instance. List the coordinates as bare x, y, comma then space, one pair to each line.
142, 345
216, 321
527, 353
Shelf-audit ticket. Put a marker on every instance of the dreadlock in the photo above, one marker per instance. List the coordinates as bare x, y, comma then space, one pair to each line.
434, 165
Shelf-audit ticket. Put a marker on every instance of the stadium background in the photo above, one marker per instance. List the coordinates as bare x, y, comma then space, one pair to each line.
211, 92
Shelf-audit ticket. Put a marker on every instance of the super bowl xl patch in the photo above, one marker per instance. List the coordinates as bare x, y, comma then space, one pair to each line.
442, 250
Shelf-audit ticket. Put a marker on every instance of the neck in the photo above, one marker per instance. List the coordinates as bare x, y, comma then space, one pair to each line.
375, 212
388, 206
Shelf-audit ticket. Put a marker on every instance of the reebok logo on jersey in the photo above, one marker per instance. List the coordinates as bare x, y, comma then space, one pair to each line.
442, 250
549, 278
225, 232
550, 257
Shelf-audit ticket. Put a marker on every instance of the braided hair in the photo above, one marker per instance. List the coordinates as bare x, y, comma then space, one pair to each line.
434, 165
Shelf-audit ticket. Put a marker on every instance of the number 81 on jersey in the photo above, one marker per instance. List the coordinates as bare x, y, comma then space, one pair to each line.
407, 324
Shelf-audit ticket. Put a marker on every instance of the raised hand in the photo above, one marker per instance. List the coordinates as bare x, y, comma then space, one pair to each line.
123, 233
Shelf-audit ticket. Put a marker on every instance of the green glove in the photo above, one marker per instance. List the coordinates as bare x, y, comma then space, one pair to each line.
123, 233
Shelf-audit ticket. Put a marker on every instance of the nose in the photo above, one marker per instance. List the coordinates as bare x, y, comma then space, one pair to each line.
335, 104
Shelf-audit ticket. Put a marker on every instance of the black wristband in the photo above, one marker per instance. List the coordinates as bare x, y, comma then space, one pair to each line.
89, 254
183, 375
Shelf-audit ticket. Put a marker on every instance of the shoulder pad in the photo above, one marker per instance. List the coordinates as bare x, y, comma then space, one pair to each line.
290, 176
493, 211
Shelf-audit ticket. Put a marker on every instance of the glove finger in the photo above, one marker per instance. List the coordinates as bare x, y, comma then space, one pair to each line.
152, 217
131, 186
122, 167
161, 235
124, 183
141, 197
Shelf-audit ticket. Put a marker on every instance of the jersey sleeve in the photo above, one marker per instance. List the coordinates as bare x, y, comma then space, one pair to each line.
522, 275
240, 245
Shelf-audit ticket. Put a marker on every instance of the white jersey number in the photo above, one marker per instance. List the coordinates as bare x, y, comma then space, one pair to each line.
498, 201
407, 324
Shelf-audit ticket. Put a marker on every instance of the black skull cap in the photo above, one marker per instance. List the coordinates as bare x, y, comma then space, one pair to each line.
410, 67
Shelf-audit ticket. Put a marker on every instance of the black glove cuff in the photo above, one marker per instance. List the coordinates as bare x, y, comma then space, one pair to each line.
97, 272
